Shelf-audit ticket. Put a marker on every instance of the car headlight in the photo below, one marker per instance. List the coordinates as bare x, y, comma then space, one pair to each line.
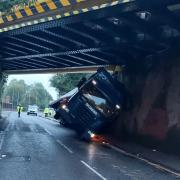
91, 134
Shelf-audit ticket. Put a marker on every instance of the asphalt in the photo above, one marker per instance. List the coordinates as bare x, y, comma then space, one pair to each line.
34, 148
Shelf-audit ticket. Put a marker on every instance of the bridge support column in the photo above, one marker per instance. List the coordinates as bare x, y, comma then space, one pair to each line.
154, 114
3, 78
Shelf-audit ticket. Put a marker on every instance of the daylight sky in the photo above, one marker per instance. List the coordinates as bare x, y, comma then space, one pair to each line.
32, 78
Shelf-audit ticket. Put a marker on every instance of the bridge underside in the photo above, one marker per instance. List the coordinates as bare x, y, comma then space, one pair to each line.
123, 34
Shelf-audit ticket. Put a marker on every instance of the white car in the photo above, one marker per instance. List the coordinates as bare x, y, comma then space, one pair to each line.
32, 109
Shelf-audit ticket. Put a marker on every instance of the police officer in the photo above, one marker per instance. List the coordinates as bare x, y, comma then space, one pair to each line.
46, 112
19, 110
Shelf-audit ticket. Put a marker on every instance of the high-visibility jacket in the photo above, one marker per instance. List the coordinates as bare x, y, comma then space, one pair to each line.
46, 110
19, 108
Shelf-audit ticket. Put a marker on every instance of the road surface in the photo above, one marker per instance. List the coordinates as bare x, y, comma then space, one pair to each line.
34, 148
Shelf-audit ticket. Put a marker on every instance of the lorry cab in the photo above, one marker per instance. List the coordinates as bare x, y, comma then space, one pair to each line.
95, 105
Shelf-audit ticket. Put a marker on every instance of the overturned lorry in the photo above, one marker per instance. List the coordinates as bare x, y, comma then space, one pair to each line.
92, 107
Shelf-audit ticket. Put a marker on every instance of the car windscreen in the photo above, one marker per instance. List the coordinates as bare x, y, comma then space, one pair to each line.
96, 99
33, 108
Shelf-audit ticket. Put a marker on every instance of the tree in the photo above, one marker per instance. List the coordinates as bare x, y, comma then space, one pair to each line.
63, 83
16, 90
6, 6
38, 95
21, 93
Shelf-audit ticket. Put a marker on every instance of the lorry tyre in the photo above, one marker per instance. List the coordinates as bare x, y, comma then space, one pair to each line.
86, 137
64, 124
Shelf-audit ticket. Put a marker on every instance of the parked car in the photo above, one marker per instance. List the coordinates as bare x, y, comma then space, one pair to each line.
94, 106
32, 109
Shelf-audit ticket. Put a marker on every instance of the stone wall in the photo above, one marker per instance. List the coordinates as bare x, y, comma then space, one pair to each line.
3, 79
154, 111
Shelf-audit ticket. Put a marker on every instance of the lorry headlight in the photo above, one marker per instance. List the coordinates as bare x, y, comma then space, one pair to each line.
64, 106
94, 82
118, 106
91, 134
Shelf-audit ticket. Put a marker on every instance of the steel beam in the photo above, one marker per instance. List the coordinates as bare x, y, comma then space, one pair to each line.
85, 69
14, 50
45, 40
81, 59
64, 38
21, 47
69, 61
55, 61
42, 63
20, 64
62, 53
5, 52
84, 35
95, 57
30, 43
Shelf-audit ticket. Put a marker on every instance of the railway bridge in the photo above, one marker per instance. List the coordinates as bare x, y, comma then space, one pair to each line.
142, 37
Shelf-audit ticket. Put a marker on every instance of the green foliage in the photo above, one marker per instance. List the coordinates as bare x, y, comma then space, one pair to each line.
21, 93
63, 83
7, 5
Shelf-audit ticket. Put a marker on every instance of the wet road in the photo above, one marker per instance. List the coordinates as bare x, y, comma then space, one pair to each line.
34, 148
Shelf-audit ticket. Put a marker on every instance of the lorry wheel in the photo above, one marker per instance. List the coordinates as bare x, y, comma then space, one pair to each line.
64, 124
86, 137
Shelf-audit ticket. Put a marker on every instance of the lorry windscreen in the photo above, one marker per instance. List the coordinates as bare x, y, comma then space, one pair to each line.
97, 100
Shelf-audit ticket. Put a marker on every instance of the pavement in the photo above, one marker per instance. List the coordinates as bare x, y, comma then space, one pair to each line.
35, 148
166, 162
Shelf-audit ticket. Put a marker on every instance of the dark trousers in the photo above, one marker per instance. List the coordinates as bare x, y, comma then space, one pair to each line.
19, 113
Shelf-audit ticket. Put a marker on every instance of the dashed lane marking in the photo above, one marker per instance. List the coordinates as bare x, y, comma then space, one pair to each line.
2, 141
60, 143
48, 132
93, 170
64, 146
3, 136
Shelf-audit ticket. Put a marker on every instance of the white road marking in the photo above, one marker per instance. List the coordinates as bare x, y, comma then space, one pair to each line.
93, 170
2, 140
156, 165
8, 128
48, 132
3, 136
64, 146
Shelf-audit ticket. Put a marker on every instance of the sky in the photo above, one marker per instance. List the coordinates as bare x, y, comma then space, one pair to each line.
32, 78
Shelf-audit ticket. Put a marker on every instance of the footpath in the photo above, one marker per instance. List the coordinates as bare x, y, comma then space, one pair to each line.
166, 162
3, 121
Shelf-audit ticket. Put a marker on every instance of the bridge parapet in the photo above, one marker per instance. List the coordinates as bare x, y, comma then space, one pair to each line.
51, 10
